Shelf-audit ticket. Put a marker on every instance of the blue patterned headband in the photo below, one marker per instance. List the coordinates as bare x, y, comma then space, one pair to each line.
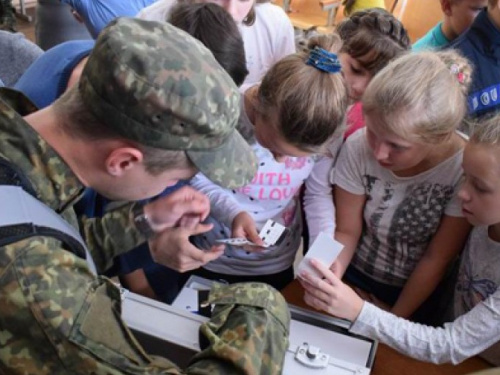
323, 60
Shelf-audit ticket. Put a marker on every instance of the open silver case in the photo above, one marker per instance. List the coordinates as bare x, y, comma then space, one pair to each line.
319, 344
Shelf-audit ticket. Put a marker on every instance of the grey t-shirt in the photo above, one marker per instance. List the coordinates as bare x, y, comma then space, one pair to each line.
401, 214
17, 54
476, 329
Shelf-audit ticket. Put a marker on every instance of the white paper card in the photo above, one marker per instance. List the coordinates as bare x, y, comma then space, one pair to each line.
271, 232
325, 249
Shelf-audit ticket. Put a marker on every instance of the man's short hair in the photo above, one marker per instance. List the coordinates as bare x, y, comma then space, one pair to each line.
78, 121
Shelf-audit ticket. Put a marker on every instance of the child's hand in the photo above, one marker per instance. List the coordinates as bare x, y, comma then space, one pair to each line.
244, 226
336, 268
330, 294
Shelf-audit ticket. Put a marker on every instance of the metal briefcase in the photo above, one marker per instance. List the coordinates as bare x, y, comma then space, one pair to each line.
319, 344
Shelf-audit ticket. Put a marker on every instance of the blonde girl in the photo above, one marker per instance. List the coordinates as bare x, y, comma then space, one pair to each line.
290, 119
396, 181
475, 310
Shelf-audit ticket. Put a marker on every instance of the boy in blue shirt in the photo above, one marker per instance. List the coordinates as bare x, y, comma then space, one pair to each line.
458, 15
481, 45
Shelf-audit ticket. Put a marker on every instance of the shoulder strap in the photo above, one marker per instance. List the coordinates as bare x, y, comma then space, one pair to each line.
24, 216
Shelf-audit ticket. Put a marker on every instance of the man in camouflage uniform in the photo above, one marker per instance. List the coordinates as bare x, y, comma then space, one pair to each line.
7, 16
152, 106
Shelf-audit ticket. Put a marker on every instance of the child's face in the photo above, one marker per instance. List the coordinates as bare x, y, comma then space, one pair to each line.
357, 78
393, 152
238, 9
480, 191
268, 137
461, 14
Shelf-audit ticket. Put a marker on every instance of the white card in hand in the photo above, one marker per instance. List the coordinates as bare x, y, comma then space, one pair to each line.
325, 249
271, 232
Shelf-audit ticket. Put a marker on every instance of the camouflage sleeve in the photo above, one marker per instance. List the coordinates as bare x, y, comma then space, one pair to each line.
110, 235
57, 318
248, 332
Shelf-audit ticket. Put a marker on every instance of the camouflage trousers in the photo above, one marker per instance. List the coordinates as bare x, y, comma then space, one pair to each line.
7, 16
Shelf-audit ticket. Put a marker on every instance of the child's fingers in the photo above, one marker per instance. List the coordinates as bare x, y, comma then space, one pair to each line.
238, 232
253, 236
325, 272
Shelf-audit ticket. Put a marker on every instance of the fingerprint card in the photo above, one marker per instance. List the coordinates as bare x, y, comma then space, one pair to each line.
325, 249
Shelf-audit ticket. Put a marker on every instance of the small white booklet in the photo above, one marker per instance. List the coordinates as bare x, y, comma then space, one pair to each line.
325, 249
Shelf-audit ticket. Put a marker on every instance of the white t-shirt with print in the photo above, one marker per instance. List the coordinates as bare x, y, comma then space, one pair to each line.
401, 214
272, 194
267, 41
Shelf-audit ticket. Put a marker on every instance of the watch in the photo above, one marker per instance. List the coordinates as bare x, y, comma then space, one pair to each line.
141, 220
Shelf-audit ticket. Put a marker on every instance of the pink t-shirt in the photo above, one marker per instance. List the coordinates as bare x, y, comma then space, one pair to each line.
355, 119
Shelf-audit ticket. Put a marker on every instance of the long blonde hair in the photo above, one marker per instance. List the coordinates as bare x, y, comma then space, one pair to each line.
420, 96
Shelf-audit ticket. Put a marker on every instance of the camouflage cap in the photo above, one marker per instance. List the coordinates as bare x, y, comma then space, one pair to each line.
156, 85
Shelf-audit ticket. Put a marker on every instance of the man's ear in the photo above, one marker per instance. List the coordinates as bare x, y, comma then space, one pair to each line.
446, 7
123, 159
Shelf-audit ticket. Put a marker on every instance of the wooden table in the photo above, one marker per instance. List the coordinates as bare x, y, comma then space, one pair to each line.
390, 362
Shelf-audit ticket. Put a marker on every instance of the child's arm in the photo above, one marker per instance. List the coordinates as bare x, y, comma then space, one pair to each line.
223, 205
349, 214
318, 199
468, 335
444, 247
226, 209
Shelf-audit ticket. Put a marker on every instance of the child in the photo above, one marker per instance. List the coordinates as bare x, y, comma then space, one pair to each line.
371, 38
458, 15
396, 181
476, 307
480, 44
351, 6
290, 118
266, 30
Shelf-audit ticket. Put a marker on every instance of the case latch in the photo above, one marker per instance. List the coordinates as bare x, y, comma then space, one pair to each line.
311, 356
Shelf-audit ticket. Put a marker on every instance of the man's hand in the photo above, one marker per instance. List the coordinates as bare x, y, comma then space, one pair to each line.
244, 227
172, 248
184, 207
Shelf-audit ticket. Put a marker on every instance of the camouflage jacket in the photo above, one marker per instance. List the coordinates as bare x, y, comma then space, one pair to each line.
56, 317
